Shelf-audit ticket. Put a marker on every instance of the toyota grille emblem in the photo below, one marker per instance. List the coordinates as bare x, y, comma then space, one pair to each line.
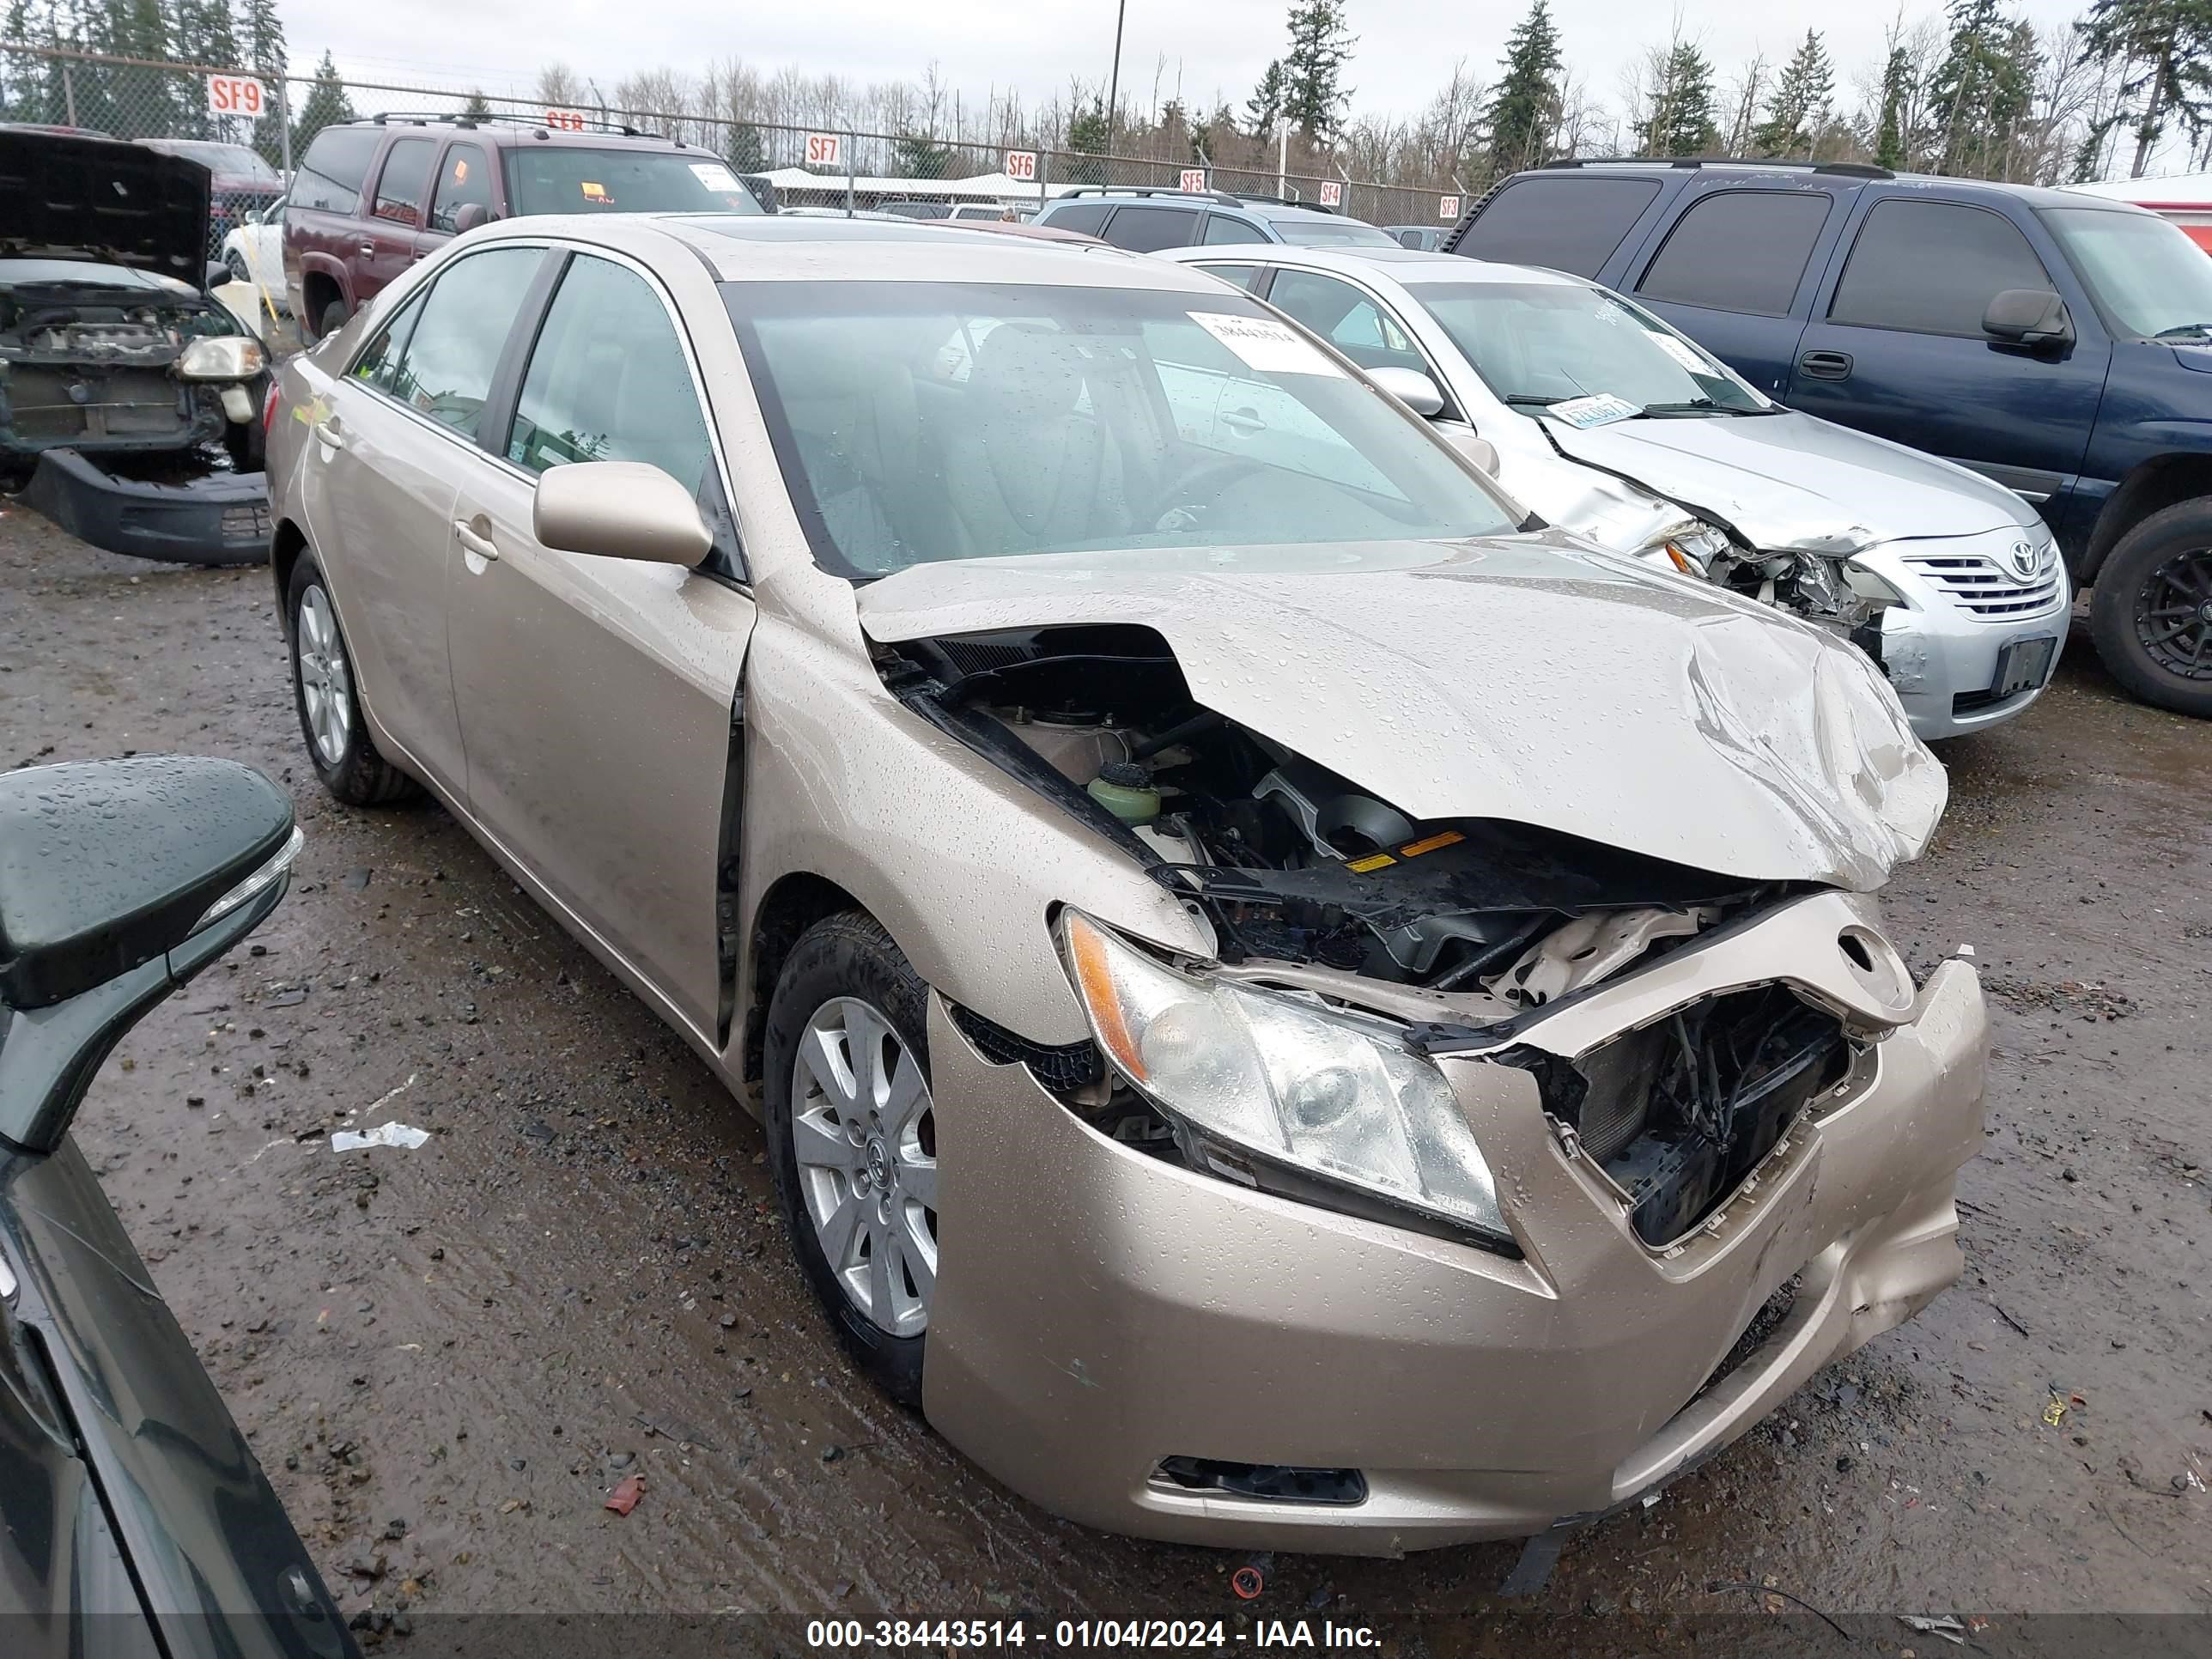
2022, 558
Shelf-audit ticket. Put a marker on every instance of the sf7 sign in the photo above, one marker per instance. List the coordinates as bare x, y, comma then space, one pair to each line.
824, 150
236, 95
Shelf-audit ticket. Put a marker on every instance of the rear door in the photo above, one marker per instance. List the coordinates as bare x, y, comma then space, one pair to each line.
463, 179
598, 696
382, 474
395, 214
1570, 220
1730, 270
321, 220
1896, 348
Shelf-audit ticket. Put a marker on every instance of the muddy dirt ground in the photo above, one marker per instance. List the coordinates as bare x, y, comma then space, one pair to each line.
446, 1358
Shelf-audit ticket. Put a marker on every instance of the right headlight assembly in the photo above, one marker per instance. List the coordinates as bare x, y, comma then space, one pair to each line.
1332, 1096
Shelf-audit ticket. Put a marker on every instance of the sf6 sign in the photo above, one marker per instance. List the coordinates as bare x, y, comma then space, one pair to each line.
1022, 164
236, 95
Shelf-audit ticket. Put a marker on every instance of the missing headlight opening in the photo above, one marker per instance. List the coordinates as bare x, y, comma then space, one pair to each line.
1289, 860
1678, 1112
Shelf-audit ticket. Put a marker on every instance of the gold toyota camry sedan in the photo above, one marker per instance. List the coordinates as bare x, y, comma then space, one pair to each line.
1294, 1007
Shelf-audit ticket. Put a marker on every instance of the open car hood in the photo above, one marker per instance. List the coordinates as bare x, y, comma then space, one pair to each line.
1528, 679
1791, 481
63, 197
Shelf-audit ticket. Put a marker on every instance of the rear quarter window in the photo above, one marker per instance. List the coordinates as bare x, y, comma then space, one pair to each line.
1572, 223
1088, 217
331, 173
1148, 229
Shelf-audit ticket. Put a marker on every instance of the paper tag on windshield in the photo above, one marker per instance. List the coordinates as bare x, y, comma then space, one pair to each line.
715, 177
1601, 408
1264, 344
1680, 352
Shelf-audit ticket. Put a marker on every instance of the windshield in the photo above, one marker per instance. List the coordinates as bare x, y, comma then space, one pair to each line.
1537, 344
916, 422
565, 179
2150, 279
1317, 233
230, 161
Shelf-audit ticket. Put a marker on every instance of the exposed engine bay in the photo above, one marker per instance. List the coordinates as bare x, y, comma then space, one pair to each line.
96, 368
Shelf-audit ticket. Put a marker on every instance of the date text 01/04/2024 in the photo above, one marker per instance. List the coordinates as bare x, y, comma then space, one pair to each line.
947, 1633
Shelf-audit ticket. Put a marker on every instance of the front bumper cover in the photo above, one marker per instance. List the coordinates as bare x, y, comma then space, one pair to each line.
1936, 652
1099, 1309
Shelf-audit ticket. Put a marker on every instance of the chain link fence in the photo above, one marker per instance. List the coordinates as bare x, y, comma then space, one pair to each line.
250, 129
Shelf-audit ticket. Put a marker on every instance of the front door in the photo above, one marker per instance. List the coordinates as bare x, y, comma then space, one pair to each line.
380, 487
597, 696
1897, 349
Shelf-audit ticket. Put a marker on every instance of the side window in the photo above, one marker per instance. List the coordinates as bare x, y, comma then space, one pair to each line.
1088, 217
399, 186
466, 178
1569, 223
608, 380
331, 173
1932, 268
1348, 319
1148, 229
380, 364
1225, 228
445, 371
1739, 250
1245, 276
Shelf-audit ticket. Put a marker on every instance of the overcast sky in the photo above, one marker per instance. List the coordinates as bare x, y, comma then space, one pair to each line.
1218, 47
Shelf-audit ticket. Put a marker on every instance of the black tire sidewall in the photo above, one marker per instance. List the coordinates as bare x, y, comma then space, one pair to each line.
362, 777
332, 319
845, 956
2119, 582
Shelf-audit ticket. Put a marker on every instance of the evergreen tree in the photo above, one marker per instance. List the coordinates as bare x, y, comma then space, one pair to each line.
478, 107
1976, 91
1800, 103
917, 155
2163, 48
263, 42
1525, 110
325, 106
1892, 143
747, 153
1680, 122
1314, 93
1087, 134
1265, 106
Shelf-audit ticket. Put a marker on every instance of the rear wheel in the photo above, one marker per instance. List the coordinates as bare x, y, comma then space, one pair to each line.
853, 1134
338, 744
239, 269
332, 319
2150, 612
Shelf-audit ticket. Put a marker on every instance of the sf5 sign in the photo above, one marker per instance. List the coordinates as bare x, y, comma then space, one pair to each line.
236, 95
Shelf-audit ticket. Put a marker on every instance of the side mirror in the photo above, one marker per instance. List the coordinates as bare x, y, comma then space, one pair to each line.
468, 216
217, 274
1412, 388
2029, 317
619, 510
1478, 449
119, 881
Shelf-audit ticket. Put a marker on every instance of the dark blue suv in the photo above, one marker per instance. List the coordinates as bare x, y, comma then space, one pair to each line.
2056, 342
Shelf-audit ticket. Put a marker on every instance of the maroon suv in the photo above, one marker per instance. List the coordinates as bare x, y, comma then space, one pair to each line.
370, 197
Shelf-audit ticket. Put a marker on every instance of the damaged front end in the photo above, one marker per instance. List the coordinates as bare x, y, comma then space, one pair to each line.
1819, 584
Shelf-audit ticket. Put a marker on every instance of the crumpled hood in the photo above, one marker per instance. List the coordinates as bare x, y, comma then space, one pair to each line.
63, 197
1791, 481
1527, 679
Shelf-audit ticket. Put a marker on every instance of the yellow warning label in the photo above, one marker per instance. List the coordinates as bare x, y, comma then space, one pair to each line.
1372, 861
1416, 849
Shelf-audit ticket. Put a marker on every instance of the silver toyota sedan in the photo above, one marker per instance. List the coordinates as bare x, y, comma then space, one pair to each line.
1289, 1009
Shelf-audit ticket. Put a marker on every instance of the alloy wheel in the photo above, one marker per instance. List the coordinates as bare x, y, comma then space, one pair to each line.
866, 1144
326, 679
2173, 615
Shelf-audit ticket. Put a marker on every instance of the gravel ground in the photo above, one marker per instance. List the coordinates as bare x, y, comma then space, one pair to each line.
446, 1358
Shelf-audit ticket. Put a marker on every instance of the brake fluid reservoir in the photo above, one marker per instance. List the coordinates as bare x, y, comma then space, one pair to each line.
1125, 789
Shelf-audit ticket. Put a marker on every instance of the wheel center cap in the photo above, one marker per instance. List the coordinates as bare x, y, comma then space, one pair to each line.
2204, 611
879, 1165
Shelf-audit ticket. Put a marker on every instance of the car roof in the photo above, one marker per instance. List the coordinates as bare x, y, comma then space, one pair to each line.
1906, 184
1410, 265
761, 247
517, 133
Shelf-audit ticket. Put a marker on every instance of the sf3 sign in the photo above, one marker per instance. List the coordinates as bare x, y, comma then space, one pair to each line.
237, 95
1022, 165
564, 121
824, 150
1447, 207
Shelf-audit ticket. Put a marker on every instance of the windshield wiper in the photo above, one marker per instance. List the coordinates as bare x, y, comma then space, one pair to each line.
1526, 400
1703, 406
2185, 332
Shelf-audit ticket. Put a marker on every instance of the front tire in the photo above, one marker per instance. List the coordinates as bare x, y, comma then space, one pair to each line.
323, 691
2150, 612
853, 1138
332, 319
239, 269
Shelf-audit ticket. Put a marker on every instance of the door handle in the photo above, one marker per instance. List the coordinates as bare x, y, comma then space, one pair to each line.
368, 249
474, 541
329, 434
1827, 365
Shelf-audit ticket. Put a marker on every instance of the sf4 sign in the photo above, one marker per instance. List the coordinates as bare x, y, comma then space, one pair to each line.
565, 120
1022, 164
1447, 207
236, 95
1193, 180
1332, 193
824, 150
